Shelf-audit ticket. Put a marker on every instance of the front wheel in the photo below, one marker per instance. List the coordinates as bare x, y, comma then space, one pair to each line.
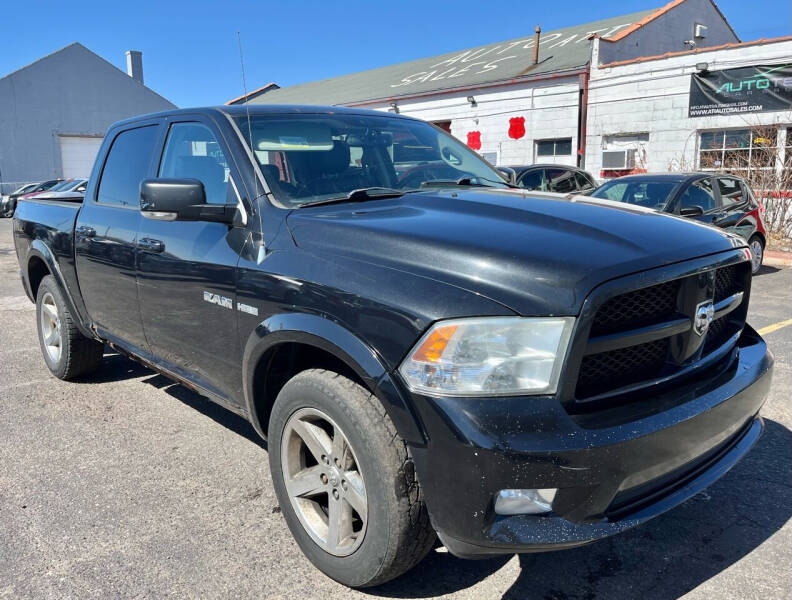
345, 480
757, 253
67, 352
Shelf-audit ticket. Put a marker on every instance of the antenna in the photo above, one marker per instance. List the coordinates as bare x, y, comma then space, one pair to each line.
247, 109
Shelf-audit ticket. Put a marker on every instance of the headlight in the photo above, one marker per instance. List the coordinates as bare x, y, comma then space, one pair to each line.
489, 356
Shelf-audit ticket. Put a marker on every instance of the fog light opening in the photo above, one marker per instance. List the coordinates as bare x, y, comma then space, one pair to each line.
525, 502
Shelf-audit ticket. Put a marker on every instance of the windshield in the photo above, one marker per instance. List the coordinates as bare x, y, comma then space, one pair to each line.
63, 185
313, 158
648, 193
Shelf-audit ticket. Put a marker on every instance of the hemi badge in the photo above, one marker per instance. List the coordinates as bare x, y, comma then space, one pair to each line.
246, 308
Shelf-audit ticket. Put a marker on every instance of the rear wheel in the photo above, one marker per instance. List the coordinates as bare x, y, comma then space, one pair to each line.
345, 481
67, 352
757, 253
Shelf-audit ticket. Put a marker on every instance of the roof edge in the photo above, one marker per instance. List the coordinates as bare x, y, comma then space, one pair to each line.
642, 59
571, 72
659, 13
253, 92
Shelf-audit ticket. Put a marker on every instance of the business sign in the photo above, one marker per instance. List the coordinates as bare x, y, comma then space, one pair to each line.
743, 90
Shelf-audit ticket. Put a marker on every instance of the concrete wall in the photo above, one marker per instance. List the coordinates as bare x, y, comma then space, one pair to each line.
550, 109
652, 97
72, 91
669, 31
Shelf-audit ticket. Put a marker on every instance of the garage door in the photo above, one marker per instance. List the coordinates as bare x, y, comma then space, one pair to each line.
78, 154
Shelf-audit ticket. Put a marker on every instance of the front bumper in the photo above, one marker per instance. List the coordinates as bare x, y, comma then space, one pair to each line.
613, 470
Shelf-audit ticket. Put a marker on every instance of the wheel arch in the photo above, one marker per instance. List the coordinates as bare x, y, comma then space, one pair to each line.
286, 344
41, 262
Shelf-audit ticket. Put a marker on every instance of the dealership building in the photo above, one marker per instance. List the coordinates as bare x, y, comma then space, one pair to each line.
55, 111
631, 93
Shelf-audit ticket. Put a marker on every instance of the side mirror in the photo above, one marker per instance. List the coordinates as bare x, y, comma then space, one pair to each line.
181, 200
691, 211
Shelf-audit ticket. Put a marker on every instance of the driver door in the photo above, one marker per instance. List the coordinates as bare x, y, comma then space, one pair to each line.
187, 269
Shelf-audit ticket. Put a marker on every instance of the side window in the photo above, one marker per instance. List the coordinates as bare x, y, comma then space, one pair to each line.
698, 194
583, 181
126, 166
731, 191
532, 180
193, 152
561, 180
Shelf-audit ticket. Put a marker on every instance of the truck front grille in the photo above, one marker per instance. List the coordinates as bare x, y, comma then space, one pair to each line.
646, 335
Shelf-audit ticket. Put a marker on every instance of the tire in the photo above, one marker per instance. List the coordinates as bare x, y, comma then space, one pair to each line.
757, 253
395, 534
76, 354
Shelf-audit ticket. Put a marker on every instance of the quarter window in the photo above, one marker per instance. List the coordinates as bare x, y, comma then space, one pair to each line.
193, 152
559, 147
731, 191
126, 166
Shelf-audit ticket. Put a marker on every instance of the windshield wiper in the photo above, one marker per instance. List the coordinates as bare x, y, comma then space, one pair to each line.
360, 194
468, 181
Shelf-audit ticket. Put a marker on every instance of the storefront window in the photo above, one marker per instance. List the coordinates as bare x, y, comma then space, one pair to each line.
738, 150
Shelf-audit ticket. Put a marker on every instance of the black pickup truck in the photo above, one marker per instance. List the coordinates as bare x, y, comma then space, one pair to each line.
426, 349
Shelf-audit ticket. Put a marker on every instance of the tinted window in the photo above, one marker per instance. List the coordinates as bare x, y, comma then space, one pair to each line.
192, 152
698, 194
584, 183
560, 180
532, 180
731, 191
126, 166
649, 194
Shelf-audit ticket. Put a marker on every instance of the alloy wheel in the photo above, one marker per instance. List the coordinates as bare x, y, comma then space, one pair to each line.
324, 482
51, 327
756, 255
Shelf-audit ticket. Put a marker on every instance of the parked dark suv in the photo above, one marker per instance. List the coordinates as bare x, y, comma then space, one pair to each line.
515, 371
722, 200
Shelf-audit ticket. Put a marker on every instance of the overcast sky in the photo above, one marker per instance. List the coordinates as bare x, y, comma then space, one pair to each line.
190, 52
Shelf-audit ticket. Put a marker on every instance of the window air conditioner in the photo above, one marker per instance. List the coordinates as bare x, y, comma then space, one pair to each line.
618, 160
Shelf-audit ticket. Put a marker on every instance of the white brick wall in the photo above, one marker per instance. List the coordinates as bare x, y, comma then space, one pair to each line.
652, 97
550, 111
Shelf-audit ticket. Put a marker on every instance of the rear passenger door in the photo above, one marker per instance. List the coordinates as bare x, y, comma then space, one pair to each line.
187, 269
106, 235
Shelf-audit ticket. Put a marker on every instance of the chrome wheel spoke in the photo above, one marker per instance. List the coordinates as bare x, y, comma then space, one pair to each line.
52, 338
340, 447
315, 438
50, 311
355, 493
307, 482
339, 523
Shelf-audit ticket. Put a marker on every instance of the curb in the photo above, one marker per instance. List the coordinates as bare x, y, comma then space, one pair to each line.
774, 258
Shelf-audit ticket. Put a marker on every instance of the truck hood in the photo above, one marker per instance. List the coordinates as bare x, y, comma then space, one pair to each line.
538, 254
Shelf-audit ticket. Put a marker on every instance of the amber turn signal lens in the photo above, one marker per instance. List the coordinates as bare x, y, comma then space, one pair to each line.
432, 348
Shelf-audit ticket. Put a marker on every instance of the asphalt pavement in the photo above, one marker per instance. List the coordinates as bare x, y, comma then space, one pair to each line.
126, 485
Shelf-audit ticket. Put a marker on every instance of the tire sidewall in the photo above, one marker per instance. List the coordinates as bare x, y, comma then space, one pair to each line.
58, 368
366, 562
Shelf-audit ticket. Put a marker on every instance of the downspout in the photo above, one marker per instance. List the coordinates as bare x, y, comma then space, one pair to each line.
583, 78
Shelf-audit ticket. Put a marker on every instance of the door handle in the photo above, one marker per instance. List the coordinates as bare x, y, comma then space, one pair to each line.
151, 245
85, 231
